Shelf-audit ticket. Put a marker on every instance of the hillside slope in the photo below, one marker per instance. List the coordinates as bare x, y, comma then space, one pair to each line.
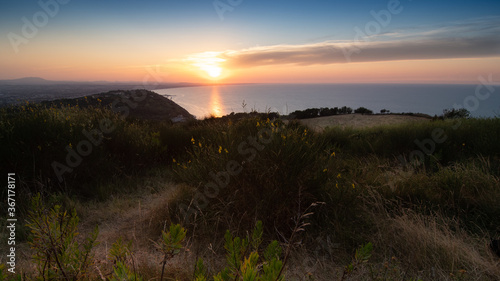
141, 104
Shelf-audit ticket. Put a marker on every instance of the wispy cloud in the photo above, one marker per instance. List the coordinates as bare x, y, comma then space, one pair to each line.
330, 53
469, 39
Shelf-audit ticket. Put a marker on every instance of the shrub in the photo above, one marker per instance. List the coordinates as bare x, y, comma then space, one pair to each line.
244, 262
328, 111
57, 253
456, 113
277, 171
171, 244
345, 110
363, 110
307, 113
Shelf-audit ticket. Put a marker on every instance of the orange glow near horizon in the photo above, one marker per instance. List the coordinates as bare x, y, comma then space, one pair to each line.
215, 102
458, 71
208, 67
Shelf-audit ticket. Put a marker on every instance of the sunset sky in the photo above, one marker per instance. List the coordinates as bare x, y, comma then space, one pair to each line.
251, 40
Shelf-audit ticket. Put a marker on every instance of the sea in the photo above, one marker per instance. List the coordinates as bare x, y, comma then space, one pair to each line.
431, 99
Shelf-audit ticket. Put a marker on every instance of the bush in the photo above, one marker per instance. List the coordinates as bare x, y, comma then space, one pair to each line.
276, 172
57, 252
307, 113
317, 112
363, 110
244, 263
324, 111
456, 113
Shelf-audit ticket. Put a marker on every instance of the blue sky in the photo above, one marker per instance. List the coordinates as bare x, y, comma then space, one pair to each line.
118, 32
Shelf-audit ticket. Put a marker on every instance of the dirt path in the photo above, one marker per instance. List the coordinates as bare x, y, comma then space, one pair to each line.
127, 218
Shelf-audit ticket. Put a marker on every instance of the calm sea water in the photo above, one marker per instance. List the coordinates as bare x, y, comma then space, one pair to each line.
286, 98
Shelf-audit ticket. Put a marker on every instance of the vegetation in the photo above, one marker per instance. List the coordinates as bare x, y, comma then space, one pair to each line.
456, 113
399, 202
317, 112
57, 253
364, 110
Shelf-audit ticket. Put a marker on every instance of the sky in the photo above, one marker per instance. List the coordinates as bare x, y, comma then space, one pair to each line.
251, 41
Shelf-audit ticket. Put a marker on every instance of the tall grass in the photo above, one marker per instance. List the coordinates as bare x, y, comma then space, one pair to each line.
463, 138
433, 214
276, 175
34, 137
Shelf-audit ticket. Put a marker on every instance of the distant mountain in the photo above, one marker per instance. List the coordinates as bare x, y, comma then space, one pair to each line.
27, 81
30, 81
41, 81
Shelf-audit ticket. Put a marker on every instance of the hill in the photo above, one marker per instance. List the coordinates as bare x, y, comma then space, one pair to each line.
141, 104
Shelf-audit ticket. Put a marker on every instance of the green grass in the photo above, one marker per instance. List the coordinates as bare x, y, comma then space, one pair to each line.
464, 138
34, 137
234, 172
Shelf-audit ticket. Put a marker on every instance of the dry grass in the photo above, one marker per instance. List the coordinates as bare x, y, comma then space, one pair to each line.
360, 121
432, 246
435, 220
429, 243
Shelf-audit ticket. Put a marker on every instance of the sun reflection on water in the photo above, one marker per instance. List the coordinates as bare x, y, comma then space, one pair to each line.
215, 102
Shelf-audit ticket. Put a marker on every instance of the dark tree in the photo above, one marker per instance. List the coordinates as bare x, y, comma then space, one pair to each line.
363, 110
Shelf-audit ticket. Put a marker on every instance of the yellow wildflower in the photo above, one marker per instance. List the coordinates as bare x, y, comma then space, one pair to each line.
192, 140
173, 160
324, 170
353, 186
225, 150
337, 185
220, 149
199, 144
333, 154
339, 176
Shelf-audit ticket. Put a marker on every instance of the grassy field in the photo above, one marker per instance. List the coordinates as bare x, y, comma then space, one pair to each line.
426, 196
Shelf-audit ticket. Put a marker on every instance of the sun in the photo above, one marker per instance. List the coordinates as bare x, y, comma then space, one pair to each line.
212, 70
209, 63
